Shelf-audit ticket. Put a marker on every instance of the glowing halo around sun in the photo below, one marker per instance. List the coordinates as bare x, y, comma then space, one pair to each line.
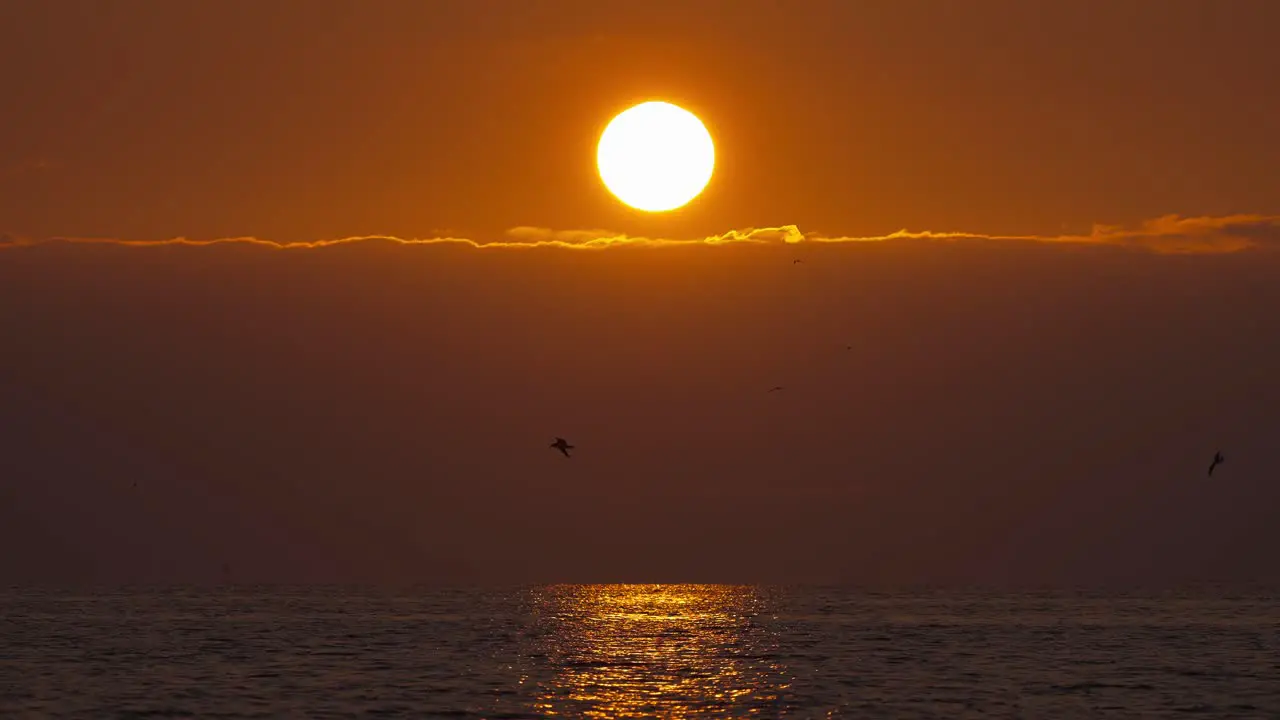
656, 156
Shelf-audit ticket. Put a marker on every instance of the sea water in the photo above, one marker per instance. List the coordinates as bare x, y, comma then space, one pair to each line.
614, 651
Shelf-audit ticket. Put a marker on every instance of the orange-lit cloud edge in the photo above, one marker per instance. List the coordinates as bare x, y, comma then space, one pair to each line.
1169, 234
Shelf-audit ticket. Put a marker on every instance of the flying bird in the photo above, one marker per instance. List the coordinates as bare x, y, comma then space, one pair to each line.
797, 261
1218, 459
775, 388
562, 445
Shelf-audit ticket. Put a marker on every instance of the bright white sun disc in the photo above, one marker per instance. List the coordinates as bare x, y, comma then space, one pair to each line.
656, 156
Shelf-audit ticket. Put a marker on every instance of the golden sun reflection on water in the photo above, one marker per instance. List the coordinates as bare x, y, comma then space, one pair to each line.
672, 651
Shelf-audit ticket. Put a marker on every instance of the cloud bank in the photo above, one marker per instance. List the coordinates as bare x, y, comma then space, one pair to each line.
1169, 234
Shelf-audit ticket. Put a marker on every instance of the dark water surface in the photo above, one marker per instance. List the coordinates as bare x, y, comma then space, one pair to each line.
613, 651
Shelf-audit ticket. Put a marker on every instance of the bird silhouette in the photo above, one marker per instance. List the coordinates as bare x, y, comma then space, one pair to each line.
797, 261
775, 388
1218, 459
562, 445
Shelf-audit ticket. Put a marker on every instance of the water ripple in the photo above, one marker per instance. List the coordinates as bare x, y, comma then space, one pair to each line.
635, 651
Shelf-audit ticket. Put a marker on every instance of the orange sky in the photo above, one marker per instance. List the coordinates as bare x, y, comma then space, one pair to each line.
1010, 411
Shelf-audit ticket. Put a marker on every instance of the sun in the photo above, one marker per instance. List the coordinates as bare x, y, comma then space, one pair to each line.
656, 156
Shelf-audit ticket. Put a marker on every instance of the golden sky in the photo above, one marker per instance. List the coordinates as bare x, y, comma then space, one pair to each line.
313, 273
298, 121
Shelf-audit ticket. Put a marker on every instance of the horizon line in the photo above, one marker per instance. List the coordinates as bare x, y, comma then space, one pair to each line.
1166, 235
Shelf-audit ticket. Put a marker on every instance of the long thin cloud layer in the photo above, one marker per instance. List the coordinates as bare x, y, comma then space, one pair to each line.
1170, 234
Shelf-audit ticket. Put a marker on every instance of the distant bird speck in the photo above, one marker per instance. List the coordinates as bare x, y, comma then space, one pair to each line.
1218, 459
797, 261
775, 388
562, 445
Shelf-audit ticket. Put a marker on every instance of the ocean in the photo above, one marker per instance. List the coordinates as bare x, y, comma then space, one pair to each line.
615, 651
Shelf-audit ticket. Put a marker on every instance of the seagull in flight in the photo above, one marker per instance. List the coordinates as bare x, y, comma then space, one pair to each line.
562, 445
775, 388
1218, 459
797, 261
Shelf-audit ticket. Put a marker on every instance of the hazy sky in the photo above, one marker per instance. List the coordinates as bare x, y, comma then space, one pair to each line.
1034, 399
